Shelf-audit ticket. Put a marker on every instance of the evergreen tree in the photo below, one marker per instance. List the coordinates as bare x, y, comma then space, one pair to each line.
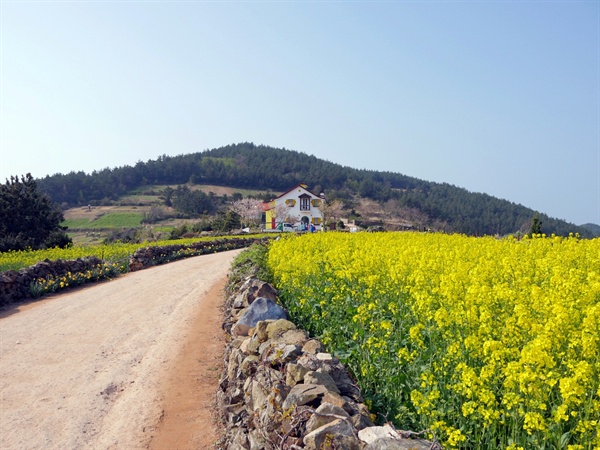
536, 225
28, 218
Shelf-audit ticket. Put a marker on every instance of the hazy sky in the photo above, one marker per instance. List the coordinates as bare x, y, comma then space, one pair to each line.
500, 97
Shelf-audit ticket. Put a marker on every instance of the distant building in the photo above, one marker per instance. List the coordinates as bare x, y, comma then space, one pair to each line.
299, 207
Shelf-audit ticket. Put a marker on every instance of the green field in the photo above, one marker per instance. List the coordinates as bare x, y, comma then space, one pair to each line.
110, 220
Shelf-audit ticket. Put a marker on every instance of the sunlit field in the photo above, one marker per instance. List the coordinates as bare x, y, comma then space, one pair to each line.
486, 343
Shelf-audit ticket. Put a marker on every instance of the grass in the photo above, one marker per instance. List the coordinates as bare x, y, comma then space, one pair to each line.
139, 199
110, 220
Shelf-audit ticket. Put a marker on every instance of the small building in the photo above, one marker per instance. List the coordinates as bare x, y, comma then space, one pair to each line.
299, 207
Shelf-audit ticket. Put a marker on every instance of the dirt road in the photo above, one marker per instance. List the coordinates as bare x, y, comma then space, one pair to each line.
108, 366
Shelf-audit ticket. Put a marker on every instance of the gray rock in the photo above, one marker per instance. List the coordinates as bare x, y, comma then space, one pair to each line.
257, 442
250, 346
321, 377
317, 438
260, 331
324, 357
253, 288
276, 329
261, 309
323, 415
371, 434
258, 396
249, 364
338, 400
399, 444
239, 441
361, 421
235, 359
280, 353
294, 374
304, 394
296, 337
313, 347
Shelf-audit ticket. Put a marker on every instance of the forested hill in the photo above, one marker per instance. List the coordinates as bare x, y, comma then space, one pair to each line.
260, 167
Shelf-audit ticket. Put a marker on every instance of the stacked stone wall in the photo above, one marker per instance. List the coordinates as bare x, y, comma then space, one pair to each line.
152, 256
280, 389
14, 284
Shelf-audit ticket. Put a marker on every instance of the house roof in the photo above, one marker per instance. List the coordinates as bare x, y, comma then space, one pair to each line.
303, 186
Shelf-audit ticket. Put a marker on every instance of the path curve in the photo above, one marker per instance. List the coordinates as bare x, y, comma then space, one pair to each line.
84, 369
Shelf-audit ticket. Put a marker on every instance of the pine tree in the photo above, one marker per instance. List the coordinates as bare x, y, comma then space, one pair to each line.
28, 218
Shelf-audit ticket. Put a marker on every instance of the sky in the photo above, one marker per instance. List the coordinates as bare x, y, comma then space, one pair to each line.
500, 97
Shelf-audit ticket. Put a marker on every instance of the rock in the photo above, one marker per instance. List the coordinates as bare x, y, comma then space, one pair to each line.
248, 365
361, 422
237, 343
304, 394
296, 337
371, 434
313, 347
258, 396
260, 309
321, 377
321, 437
250, 346
276, 329
235, 359
278, 353
346, 443
325, 414
324, 357
335, 399
253, 288
257, 442
399, 444
260, 331
294, 374
239, 441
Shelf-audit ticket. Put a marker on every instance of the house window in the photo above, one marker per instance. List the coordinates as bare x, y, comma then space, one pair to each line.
305, 204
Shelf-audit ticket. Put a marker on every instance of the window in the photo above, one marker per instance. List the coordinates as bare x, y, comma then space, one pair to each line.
304, 203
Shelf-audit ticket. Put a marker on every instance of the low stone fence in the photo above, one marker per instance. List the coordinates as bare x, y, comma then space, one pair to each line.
14, 284
152, 256
282, 390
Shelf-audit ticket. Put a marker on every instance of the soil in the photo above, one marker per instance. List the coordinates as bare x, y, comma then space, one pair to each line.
131, 363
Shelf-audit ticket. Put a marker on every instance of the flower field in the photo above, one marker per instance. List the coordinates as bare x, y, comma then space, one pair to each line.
486, 343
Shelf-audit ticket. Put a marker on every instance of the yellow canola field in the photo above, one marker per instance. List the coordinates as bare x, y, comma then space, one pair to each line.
486, 343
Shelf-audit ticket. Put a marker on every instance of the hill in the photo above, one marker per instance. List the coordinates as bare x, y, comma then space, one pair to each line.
439, 206
592, 228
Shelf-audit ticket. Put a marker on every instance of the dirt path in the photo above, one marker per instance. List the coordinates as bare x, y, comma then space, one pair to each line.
107, 365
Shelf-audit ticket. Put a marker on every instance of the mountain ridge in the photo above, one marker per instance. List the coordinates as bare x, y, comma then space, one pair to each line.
246, 165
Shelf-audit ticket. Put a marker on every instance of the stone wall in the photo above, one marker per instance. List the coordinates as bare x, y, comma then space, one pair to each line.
280, 389
152, 256
14, 285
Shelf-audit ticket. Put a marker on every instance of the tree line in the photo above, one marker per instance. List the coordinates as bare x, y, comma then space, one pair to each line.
247, 165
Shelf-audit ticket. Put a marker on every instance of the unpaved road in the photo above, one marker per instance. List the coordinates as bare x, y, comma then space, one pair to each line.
101, 367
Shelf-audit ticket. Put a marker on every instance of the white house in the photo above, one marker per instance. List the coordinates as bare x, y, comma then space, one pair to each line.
298, 206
